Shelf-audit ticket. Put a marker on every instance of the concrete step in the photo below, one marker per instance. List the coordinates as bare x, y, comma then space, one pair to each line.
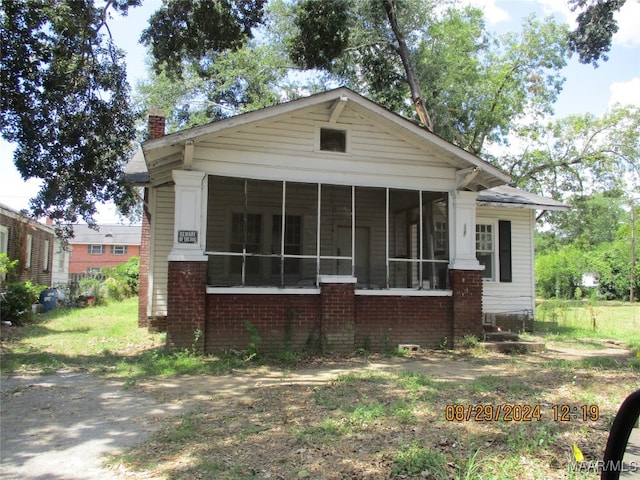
501, 337
515, 346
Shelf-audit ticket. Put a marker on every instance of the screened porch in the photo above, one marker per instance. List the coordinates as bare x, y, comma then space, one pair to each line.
287, 234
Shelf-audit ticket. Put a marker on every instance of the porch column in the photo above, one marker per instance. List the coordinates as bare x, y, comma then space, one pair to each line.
462, 234
187, 269
465, 272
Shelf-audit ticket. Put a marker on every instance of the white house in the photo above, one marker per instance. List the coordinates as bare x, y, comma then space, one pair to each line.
327, 222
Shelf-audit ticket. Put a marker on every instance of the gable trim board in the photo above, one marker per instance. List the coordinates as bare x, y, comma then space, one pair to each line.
383, 153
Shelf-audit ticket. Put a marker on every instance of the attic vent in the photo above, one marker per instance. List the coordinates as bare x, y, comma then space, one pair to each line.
332, 140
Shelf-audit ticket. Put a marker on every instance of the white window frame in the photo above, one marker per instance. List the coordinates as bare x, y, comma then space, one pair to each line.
494, 252
118, 249
29, 251
47, 246
92, 247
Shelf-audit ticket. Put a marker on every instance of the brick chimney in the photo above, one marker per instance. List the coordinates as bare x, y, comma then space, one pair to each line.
156, 124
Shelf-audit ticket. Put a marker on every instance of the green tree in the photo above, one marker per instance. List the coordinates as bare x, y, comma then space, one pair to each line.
591, 39
188, 30
65, 103
473, 86
591, 221
578, 154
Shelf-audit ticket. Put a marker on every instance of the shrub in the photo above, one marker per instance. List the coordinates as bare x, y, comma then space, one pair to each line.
17, 300
122, 280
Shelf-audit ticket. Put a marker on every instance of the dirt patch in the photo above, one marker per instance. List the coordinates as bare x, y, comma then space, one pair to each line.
64, 426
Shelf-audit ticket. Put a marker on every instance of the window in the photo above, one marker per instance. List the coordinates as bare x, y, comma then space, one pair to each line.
485, 250
118, 249
46, 256
29, 248
249, 236
492, 238
4, 245
333, 140
292, 243
96, 249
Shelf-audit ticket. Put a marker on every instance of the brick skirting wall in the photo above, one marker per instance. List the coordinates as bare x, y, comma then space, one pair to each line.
186, 305
384, 322
336, 320
467, 303
282, 321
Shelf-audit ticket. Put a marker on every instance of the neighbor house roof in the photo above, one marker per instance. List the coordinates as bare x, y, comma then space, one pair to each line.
506, 196
107, 235
483, 173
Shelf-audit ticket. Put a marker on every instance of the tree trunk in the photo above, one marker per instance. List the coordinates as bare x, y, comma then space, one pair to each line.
403, 51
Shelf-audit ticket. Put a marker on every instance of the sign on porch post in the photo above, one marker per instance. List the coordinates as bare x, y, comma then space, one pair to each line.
190, 208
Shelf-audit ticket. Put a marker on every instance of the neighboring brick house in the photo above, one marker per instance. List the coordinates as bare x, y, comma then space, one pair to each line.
109, 246
41, 257
327, 222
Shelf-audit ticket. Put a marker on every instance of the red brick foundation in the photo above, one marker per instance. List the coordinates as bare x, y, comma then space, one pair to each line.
186, 305
282, 322
384, 322
336, 320
467, 303
337, 315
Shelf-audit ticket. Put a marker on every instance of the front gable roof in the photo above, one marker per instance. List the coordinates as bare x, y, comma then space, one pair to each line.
473, 173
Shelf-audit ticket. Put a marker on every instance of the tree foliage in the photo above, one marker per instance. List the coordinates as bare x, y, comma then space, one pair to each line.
473, 85
578, 154
187, 30
65, 103
596, 26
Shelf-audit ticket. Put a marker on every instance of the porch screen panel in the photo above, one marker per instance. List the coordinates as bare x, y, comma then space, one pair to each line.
404, 238
264, 202
335, 230
370, 263
225, 200
435, 246
298, 263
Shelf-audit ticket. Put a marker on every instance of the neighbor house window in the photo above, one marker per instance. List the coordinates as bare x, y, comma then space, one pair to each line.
333, 140
96, 249
46, 255
4, 245
485, 248
118, 249
29, 248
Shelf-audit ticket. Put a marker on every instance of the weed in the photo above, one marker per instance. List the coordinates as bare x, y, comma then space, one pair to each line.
253, 349
414, 459
443, 344
469, 341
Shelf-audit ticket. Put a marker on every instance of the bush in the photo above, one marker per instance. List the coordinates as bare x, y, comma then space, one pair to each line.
122, 280
17, 301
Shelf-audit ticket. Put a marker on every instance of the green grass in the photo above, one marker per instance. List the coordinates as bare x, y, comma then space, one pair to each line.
103, 339
571, 322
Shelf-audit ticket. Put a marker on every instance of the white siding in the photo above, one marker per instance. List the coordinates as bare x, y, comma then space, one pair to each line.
518, 295
284, 149
162, 241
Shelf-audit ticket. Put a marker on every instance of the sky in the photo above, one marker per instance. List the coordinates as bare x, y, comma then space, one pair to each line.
586, 89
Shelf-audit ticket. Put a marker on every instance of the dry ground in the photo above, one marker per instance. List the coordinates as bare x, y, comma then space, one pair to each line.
308, 422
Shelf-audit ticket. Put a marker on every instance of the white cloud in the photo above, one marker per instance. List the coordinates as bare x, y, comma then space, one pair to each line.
628, 17
492, 13
625, 92
555, 7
